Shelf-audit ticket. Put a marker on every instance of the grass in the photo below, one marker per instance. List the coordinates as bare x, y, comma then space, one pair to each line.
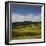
27, 32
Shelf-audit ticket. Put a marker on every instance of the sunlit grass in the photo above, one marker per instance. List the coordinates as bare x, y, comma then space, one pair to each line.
26, 32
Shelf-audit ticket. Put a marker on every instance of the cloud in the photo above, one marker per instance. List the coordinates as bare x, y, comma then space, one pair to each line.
28, 17
17, 18
33, 18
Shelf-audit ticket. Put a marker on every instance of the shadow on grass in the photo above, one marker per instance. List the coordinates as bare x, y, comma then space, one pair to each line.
22, 34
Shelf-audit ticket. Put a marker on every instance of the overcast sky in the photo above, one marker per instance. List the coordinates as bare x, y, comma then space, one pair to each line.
22, 13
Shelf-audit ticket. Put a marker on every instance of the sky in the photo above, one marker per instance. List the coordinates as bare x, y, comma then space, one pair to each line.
22, 13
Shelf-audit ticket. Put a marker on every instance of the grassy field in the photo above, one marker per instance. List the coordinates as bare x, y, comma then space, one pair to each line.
30, 31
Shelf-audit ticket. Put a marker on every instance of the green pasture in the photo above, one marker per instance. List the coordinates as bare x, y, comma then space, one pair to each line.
27, 32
